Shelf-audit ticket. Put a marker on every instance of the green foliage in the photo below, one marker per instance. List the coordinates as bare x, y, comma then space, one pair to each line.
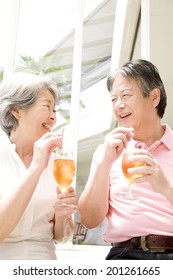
1, 74
42, 66
47, 65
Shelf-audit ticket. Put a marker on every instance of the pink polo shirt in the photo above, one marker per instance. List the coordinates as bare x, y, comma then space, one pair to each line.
153, 213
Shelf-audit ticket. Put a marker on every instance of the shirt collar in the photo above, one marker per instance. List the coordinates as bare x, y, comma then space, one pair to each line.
166, 139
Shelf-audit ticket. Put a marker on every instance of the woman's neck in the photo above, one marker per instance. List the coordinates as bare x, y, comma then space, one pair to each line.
24, 148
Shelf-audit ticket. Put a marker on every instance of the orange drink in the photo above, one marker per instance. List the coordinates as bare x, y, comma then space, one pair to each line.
129, 164
64, 172
64, 163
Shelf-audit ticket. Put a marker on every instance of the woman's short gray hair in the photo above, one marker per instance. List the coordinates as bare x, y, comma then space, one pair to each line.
21, 90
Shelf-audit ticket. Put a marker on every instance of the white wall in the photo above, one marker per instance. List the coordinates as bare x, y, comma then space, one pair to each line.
161, 38
161, 47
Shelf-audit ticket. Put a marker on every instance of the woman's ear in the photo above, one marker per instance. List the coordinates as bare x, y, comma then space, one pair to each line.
155, 96
16, 113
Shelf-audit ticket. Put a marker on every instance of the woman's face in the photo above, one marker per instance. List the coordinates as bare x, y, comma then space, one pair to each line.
38, 119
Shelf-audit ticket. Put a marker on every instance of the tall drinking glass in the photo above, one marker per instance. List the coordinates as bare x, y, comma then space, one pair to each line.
126, 163
64, 164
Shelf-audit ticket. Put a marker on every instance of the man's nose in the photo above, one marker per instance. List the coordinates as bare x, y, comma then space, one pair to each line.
119, 103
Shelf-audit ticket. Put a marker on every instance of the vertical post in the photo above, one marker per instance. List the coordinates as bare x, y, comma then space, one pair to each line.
11, 8
76, 77
120, 15
145, 29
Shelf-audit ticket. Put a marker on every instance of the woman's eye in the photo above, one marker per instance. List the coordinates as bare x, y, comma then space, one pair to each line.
53, 110
47, 106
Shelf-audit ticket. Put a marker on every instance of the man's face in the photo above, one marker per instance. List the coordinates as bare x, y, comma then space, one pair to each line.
131, 109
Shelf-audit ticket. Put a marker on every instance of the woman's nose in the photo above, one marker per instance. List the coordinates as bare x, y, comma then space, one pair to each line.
52, 116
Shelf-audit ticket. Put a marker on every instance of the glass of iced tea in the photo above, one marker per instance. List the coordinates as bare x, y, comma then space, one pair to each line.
126, 163
64, 168
64, 163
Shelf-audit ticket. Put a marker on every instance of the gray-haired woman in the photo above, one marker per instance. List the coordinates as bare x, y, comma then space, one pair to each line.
32, 211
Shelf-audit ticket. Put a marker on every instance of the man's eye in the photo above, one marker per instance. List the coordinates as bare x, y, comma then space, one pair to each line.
114, 100
127, 94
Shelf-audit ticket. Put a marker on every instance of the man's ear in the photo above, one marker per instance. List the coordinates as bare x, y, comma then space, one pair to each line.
16, 113
155, 96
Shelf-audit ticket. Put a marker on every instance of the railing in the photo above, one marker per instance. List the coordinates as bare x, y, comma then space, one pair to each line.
80, 233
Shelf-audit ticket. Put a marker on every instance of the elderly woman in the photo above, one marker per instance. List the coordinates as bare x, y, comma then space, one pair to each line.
33, 211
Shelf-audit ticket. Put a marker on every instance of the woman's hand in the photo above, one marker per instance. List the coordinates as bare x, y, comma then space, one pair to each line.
66, 204
44, 147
